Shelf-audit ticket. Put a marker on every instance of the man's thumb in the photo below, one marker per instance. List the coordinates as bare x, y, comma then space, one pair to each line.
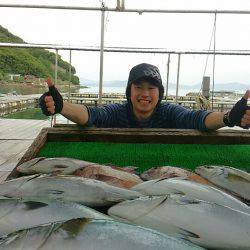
49, 82
247, 95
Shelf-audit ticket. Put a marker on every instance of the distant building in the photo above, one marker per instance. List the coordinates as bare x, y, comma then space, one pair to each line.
14, 77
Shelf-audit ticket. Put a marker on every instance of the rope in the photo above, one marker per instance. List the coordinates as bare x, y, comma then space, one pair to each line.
215, 15
213, 32
202, 102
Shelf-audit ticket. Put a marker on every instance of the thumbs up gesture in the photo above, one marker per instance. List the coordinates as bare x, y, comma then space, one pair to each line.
239, 115
51, 102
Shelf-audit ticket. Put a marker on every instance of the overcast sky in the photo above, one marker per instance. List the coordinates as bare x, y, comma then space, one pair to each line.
172, 31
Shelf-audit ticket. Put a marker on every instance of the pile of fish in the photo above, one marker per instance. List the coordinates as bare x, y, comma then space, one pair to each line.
65, 203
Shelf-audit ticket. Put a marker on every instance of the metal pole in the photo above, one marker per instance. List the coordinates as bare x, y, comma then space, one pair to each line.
53, 117
123, 5
167, 76
101, 56
70, 56
127, 49
214, 59
178, 74
140, 11
56, 66
118, 5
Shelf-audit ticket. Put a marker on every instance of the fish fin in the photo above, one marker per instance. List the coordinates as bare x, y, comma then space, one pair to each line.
75, 226
187, 201
32, 205
175, 191
53, 227
174, 177
61, 166
166, 197
185, 234
32, 177
234, 177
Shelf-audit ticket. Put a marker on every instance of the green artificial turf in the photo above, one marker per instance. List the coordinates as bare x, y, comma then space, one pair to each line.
145, 156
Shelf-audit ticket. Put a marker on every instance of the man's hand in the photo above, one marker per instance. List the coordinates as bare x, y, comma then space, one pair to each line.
239, 115
51, 102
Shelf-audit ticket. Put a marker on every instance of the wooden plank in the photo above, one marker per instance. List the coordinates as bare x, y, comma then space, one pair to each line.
32, 151
4, 175
2, 141
11, 163
9, 160
173, 136
18, 131
14, 146
29, 130
20, 128
133, 135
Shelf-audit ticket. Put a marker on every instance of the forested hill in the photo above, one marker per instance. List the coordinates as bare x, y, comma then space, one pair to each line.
37, 62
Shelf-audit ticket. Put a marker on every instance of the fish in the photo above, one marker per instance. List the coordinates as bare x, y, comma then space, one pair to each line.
231, 179
93, 234
164, 172
92, 193
172, 172
108, 174
206, 224
59, 165
129, 169
23, 214
191, 189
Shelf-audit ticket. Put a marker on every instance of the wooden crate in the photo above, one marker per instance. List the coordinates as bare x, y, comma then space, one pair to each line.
75, 133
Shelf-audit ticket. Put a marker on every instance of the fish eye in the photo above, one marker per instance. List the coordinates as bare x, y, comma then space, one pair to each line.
210, 167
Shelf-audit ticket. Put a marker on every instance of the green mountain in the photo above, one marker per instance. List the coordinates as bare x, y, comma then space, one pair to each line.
37, 62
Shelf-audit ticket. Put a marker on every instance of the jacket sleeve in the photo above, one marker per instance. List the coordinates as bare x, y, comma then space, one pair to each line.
187, 119
103, 116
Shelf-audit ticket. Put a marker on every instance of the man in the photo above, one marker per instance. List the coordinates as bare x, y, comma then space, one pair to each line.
143, 108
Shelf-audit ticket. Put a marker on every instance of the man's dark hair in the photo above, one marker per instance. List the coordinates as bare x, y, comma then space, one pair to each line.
146, 72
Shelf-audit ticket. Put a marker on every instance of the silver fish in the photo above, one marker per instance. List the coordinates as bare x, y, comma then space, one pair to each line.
203, 223
191, 189
231, 179
60, 165
89, 192
17, 215
93, 235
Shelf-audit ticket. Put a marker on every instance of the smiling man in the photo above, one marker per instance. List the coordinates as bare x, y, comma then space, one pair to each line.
143, 108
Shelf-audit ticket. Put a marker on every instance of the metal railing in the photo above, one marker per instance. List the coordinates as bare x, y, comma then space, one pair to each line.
103, 49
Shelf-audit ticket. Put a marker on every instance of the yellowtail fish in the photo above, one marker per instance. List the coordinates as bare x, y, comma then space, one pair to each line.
85, 234
66, 188
204, 223
191, 189
231, 179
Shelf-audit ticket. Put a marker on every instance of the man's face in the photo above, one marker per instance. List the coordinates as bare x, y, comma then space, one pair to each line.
144, 98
